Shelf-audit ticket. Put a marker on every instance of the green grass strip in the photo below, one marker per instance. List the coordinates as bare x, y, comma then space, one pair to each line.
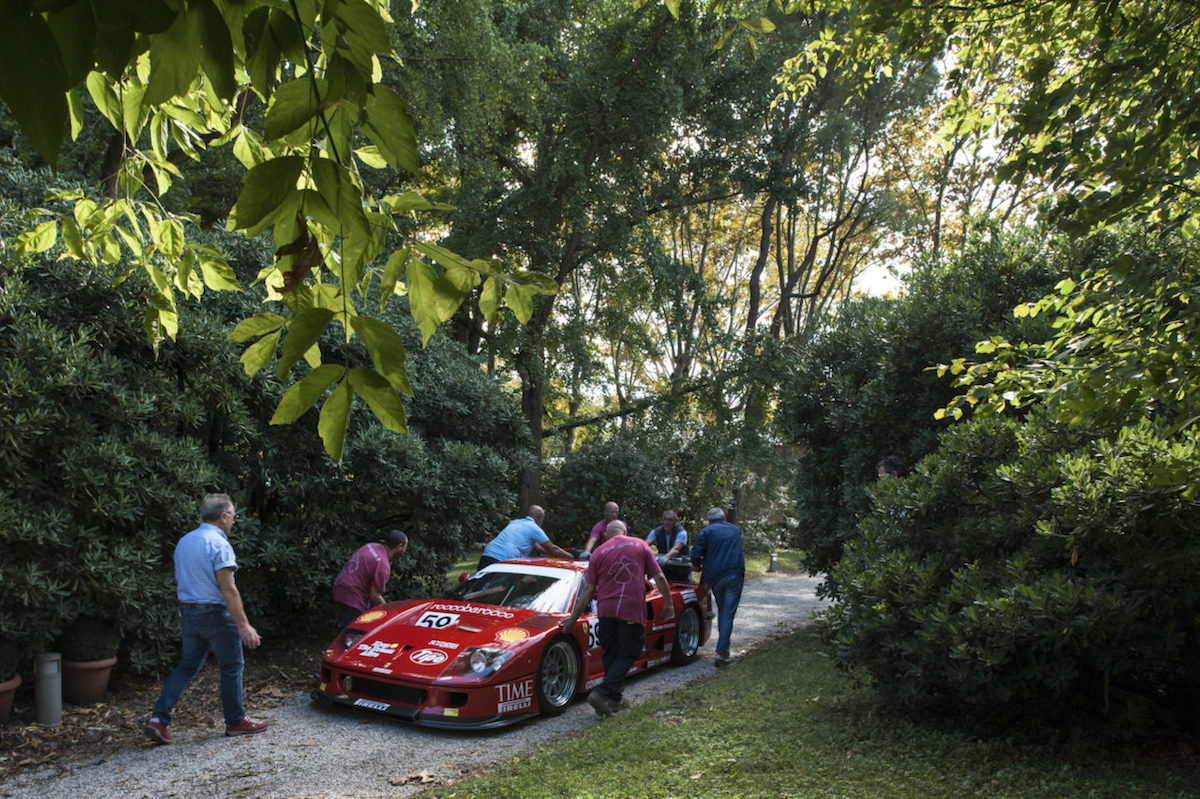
784, 723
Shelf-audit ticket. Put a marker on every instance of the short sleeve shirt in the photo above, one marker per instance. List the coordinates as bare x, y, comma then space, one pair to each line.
516, 540
198, 556
600, 531
618, 569
367, 568
679, 538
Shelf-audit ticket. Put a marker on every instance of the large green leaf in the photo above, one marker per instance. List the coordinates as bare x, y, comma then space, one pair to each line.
301, 396
262, 50
388, 124
387, 350
382, 398
217, 55
396, 264
362, 20
259, 354
343, 197
434, 299
75, 30
133, 111
105, 98
33, 80
175, 58
41, 238
412, 201
218, 274
335, 419
293, 104
303, 332
266, 191
520, 300
489, 299
258, 325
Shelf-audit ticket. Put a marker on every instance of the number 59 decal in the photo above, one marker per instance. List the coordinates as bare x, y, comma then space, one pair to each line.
593, 634
436, 621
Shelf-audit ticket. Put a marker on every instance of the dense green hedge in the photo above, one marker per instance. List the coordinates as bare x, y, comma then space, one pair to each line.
863, 388
108, 450
1032, 564
612, 469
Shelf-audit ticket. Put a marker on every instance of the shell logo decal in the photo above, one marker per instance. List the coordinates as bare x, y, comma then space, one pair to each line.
371, 616
511, 634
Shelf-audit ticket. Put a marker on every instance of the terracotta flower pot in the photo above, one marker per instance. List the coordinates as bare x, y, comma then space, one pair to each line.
84, 682
7, 689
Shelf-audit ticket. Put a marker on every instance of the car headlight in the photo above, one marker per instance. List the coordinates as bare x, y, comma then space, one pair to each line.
479, 661
346, 640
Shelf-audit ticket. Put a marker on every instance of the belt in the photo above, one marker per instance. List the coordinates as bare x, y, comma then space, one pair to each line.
199, 605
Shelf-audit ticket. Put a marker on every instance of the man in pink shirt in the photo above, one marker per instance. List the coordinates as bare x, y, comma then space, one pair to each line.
616, 577
360, 583
599, 533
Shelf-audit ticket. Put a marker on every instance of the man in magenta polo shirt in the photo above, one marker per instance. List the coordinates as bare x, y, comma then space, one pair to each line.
616, 577
599, 533
360, 583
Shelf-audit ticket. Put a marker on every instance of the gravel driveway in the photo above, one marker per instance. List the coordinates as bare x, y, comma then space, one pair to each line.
310, 752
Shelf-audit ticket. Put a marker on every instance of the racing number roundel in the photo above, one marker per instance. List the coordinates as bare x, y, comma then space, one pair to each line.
428, 657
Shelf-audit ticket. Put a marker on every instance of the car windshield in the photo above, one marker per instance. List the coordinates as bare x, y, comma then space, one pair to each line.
540, 589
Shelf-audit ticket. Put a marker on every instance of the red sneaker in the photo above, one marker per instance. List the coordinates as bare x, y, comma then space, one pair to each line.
157, 732
246, 726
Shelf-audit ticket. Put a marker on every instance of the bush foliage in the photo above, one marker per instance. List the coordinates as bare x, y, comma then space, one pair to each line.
1034, 563
108, 451
863, 388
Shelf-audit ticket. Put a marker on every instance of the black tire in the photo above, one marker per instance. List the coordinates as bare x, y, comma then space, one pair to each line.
557, 676
687, 637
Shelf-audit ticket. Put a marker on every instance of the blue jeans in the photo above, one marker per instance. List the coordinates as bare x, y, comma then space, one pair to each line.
622, 642
203, 629
727, 591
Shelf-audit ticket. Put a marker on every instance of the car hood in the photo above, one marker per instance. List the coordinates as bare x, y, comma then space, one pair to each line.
430, 639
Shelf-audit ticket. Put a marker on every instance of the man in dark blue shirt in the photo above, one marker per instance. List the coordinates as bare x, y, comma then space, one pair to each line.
718, 555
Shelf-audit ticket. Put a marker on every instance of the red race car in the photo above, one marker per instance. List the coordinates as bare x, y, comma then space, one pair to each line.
490, 653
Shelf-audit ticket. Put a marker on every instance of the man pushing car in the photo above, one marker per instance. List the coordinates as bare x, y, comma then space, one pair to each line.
616, 578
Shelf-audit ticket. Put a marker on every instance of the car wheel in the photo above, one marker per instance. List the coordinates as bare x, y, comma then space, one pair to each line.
687, 637
557, 677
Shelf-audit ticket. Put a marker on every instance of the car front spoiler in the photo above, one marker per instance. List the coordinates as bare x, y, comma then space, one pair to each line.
415, 716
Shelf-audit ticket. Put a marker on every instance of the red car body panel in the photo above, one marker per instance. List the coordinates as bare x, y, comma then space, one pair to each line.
412, 659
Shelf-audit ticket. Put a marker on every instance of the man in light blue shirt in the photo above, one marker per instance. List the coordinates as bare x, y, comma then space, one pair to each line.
519, 539
211, 617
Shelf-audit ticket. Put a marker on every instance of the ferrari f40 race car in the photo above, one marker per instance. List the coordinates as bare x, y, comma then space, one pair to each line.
491, 653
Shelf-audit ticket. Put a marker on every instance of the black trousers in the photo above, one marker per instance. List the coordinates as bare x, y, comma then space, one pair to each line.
622, 642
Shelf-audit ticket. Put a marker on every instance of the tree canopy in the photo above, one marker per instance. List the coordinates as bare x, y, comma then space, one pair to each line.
173, 78
1103, 105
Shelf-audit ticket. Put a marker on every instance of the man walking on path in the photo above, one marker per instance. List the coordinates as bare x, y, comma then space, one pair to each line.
360, 583
210, 617
519, 539
616, 577
718, 554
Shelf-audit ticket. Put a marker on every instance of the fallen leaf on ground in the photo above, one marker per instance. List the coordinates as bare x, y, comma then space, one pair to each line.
696, 775
421, 777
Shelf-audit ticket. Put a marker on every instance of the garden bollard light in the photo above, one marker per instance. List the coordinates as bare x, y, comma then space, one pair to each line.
771, 567
48, 689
